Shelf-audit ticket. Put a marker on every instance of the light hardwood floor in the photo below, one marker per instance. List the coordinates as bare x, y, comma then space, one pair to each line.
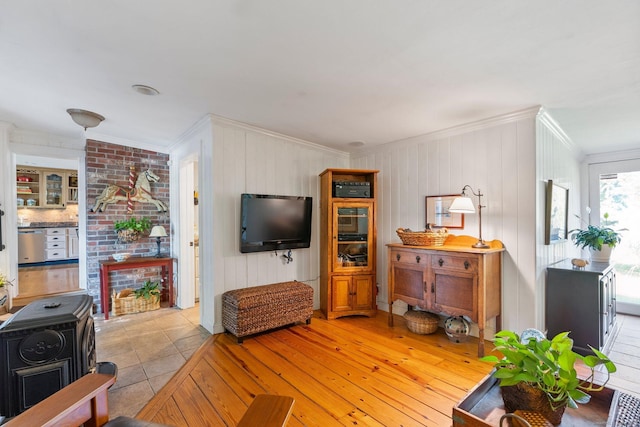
348, 371
42, 281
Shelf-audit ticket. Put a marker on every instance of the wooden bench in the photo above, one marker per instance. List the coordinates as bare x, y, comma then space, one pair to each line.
258, 309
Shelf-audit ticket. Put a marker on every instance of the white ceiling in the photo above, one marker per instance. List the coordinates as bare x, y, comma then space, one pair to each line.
329, 71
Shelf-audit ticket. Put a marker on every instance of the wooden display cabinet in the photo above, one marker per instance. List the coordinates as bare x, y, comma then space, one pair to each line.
454, 279
348, 243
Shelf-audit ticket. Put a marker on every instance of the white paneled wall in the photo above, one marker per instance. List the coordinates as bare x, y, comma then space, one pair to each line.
509, 158
250, 160
558, 159
497, 156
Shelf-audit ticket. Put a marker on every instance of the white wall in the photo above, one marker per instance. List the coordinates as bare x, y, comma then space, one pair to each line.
236, 159
9, 238
495, 155
558, 159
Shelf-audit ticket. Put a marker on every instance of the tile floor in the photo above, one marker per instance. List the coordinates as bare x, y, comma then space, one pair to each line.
148, 349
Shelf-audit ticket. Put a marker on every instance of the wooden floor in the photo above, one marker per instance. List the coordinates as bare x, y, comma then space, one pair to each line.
42, 281
348, 371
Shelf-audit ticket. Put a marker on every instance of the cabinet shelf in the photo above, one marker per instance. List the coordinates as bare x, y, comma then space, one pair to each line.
49, 187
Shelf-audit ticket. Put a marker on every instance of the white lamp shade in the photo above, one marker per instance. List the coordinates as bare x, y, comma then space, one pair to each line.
158, 231
462, 205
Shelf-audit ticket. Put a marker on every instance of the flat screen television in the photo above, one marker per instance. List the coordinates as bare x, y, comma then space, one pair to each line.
270, 222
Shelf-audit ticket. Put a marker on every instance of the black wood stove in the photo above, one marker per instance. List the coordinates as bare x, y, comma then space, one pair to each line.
45, 346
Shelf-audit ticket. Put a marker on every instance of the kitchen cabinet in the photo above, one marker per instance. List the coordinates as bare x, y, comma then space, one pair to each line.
53, 196
583, 301
56, 244
72, 187
45, 188
454, 279
28, 187
73, 243
348, 243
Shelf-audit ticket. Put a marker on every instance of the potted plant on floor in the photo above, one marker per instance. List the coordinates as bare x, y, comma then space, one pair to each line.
145, 298
599, 240
539, 374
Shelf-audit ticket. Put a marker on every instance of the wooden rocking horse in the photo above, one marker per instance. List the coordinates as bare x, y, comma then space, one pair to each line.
140, 193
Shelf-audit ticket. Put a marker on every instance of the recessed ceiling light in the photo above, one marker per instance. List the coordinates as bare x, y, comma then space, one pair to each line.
145, 90
356, 144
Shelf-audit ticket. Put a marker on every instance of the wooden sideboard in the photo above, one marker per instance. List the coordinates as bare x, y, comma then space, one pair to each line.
454, 279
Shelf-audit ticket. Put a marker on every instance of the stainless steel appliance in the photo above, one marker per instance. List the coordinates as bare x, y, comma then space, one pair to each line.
31, 245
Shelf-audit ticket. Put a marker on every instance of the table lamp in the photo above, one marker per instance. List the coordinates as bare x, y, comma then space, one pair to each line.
158, 231
463, 204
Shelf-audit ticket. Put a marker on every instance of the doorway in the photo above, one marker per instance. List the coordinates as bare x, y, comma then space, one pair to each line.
189, 232
615, 188
61, 184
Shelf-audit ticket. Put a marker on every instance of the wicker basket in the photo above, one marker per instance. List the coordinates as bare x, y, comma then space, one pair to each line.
421, 322
125, 302
127, 236
423, 238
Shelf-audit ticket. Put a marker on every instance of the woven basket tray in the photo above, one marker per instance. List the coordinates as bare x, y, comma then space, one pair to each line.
421, 322
125, 302
423, 238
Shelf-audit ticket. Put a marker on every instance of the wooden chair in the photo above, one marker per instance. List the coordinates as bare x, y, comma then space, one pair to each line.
85, 402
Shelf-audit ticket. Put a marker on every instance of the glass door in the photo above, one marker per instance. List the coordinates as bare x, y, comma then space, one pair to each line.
53, 190
353, 236
617, 185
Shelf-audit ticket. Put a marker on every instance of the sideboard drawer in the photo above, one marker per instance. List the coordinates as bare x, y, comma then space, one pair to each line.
462, 263
409, 257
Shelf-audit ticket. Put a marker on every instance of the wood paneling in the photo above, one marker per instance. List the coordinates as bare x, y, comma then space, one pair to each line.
249, 160
497, 156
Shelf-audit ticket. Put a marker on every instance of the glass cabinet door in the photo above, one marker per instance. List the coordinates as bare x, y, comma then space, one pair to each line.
353, 235
53, 189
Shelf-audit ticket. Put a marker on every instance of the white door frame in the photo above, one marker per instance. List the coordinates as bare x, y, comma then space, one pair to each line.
186, 266
45, 156
595, 170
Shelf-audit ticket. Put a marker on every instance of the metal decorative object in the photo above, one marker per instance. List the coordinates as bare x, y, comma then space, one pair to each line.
457, 329
140, 193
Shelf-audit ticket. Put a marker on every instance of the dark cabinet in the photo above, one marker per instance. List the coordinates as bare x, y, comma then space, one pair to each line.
582, 301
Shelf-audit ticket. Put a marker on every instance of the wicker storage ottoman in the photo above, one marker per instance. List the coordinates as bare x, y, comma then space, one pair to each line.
421, 322
260, 308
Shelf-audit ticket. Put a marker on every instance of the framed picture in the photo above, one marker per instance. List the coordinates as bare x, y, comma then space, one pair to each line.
438, 215
556, 213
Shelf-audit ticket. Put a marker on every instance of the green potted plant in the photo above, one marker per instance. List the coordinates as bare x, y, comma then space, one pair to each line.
544, 370
4, 293
129, 229
599, 240
148, 291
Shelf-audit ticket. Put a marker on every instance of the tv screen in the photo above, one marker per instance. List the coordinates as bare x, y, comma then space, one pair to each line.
270, 222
